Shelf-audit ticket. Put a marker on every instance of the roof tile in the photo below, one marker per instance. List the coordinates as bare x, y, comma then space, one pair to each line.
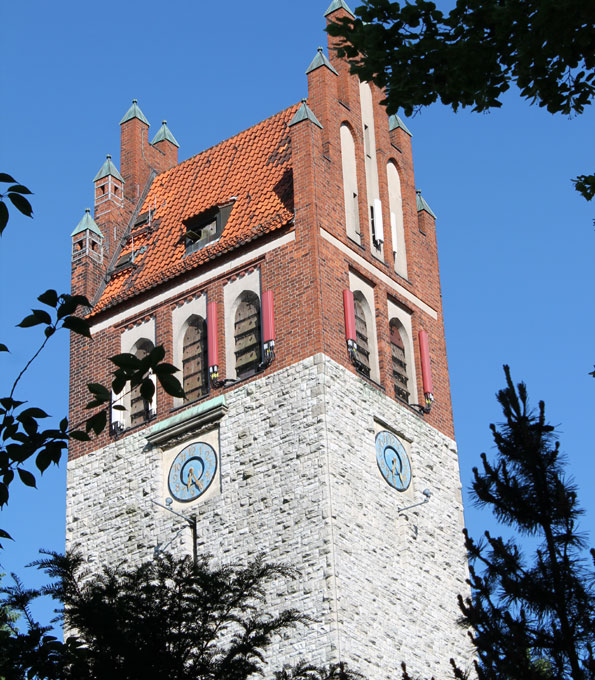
254, 167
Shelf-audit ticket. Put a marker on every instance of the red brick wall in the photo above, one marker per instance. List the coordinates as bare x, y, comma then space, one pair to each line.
308, 275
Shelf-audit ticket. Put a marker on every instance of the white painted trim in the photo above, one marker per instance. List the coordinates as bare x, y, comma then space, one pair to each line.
183, 287
233, 295
358, 285
364, 264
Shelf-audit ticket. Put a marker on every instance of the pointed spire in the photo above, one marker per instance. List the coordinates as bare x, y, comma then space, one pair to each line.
422, 204
87, 223
108, 168
338, 4
320, 60
134, 112
395, 122
164, 134
304, 113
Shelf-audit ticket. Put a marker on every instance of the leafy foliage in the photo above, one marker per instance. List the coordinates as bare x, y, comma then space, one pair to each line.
165, 618
471, 56
23, 438
16, 195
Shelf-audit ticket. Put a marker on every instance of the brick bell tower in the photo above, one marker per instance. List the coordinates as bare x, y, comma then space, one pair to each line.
291, 273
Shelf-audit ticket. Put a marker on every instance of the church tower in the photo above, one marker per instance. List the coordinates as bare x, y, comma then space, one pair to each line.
291, 273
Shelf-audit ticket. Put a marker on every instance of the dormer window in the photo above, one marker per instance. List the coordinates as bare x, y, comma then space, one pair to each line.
206, 227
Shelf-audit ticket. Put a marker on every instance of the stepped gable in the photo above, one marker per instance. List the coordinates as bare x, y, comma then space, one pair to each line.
253, 169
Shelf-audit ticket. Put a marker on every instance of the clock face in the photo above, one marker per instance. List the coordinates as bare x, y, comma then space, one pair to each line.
393, 461
192, 472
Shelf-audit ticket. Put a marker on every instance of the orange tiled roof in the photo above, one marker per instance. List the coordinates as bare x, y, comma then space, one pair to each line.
254, 167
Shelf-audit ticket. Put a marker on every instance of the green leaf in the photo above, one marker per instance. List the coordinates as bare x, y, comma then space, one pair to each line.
162, 369
77, 325
156, 355
64, 425
3, 216
118, 384
99, 391
5, 534
6, 178
21, 204
147, 389
171, 385
26, 477
50, 298
43, 460
70, 303
43, 315
97, 422
125, 360
33, 412
79, 436
3, 348
19, 188
48, 331
3, 494
29, 321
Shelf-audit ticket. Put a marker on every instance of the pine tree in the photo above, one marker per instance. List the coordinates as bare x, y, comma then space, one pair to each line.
532, 610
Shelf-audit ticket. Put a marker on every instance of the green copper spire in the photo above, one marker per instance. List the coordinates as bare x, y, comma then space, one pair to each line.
422, 204
134, 112
395, 122
108, 168
304, 113
164, 134
338, 4
320, 60
87, 223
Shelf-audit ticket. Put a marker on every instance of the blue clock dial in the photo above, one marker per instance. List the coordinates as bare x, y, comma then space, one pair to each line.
192, 472
393, 461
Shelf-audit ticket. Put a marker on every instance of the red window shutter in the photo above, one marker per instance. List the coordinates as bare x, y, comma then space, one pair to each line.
426, 369
349, 310
213, 347
268, 318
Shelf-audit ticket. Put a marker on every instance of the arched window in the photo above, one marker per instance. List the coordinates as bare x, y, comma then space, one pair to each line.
140, 409
399, 361
350, 191
361, 334
194, 359
247, 335
396, 219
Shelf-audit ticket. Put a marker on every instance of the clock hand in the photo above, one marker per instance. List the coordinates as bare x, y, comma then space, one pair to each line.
397, 471
192, 478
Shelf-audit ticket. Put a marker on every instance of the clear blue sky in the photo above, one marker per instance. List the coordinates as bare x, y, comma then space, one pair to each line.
516, 241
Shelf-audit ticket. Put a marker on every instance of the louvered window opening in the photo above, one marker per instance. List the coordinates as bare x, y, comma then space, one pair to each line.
247, 337
399, 363
362, 351
194, 359
140, 409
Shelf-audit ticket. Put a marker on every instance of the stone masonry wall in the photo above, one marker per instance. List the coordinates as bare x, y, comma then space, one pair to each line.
299, 482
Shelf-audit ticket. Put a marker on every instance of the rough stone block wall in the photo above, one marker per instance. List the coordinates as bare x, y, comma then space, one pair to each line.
299, 482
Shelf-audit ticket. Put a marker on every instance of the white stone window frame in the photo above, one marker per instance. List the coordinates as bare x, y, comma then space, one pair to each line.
358, 284
233, 295
395, 199
371, 165
180, 318
128, 342
404, 319
350, 184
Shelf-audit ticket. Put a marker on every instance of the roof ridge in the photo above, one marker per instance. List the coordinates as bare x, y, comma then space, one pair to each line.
224, 141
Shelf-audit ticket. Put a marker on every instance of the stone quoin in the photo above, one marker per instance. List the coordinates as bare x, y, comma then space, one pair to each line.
291, 273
